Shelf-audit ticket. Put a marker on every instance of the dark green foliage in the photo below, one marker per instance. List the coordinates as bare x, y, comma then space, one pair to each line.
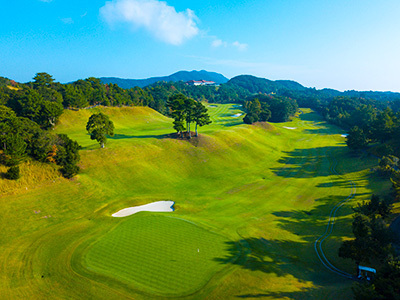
366, 291
383, 127
257, 85
385, 286
356, 138
14, 148
68, 150
20, 135
12, 173
42, 80
175, 105
99, 126
200, 116
67, 155
69, 170
183, 109
265, 115
41, 144
269, 108
373, 245
250, 118
6, 113
376, 206
73, 97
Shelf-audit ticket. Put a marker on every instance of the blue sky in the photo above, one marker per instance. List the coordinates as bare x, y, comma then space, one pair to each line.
341, 44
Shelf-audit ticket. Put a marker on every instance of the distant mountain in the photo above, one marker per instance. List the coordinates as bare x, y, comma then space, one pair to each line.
178, 76
261, 85
293, 89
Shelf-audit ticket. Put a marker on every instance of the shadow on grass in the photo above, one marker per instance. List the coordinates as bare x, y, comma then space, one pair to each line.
125, 136
294, 258
303, 294
320, 161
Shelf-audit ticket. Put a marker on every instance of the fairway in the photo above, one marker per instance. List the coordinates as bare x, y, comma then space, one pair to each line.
160, 254
250, 203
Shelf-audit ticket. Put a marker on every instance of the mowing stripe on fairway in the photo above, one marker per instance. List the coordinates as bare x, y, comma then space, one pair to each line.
158, 254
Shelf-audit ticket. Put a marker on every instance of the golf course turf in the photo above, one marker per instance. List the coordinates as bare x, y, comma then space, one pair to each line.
163, 254
250, 202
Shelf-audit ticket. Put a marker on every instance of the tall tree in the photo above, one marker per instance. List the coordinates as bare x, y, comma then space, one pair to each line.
175, 105
99, 126
43, 79
200, 116
188, 112
14, 151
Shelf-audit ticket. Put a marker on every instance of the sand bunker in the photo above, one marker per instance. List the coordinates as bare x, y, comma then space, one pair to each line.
159, 206
237, 115
291, 128
344, 135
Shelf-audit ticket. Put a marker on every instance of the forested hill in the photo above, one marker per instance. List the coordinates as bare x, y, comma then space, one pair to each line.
295, 90
257, 85
178, 76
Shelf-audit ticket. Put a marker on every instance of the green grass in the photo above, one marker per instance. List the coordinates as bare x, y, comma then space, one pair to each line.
162, 254
263, 190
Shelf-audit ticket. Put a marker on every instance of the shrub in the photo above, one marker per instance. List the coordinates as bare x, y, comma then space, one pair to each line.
69, 170
13, 173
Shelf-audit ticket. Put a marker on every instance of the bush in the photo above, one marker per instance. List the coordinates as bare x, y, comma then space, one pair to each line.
13, 173
250, 118
69, 170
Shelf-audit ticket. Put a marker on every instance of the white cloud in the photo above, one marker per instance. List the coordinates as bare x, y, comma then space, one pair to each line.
219, 43
240, 46
160, 19
216, 43
67, 21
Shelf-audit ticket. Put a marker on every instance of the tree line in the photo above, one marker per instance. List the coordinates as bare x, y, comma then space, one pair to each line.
27, 112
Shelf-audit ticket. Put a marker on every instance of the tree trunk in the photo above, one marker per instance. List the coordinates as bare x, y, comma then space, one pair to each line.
197, 134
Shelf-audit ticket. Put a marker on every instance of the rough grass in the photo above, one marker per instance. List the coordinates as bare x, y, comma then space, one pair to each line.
266, 189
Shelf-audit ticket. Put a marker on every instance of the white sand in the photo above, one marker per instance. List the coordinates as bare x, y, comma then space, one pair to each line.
159, 206
291, 128
237, 115
344, 135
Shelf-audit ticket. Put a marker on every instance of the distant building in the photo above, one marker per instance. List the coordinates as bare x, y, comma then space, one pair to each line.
201, 82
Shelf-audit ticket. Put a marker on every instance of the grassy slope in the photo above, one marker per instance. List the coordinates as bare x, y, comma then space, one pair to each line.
266, 188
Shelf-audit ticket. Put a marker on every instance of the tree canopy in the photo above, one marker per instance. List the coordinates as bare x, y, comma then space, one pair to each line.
185, 111
99, 126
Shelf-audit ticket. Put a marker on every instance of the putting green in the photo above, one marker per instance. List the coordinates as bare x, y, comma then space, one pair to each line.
158, 254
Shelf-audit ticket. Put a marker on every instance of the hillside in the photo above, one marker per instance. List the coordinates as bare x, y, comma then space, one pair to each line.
259, 196
178, 76
257, 85
293, 89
